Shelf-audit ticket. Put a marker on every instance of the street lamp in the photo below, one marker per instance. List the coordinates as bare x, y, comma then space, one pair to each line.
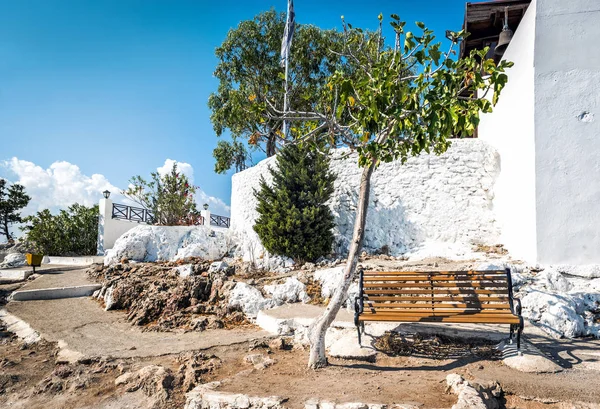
205, 206
106, 194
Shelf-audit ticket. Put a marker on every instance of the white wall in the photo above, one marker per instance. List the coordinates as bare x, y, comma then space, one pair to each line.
510, 129
109, 229
429, 200
567, 123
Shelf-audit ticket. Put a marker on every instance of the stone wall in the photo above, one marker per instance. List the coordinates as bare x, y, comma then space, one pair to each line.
427, 204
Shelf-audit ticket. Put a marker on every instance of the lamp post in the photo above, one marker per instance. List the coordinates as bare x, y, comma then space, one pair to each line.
205, 214
106, 194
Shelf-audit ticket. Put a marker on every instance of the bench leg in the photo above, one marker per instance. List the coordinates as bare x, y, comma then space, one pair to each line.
359, 338
519, 331
512, 332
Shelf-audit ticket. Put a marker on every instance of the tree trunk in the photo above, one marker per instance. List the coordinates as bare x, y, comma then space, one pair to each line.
5, 227
271, 146
317, 358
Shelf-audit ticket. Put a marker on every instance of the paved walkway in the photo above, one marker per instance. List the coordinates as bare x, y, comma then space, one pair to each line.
59, 278
81, 325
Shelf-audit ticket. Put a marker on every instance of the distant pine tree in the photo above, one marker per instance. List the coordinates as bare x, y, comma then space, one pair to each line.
294, 220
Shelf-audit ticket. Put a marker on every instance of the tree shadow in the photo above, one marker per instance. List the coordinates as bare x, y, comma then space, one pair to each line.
387, 226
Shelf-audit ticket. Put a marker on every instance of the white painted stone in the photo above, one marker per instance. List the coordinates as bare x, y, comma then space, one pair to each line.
330, 279
249, 299
13, 260
563, 305
429, 200
154, 243
346, 346
218, 266
290, 291
530, 360
185, 270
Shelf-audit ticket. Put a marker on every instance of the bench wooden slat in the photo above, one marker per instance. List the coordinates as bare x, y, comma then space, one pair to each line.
482, 319
467, 291
409, 285
425, 312
440, 278
448, 298
436, 313
464, 272
497, 306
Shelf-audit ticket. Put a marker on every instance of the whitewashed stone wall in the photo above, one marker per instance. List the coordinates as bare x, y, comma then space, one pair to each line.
429, 202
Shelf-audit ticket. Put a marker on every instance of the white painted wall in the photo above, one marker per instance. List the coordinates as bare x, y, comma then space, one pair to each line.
510, 129
427, 202
567, 124
109, 229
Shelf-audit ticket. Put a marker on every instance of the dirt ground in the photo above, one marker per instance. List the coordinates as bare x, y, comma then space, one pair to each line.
30, 377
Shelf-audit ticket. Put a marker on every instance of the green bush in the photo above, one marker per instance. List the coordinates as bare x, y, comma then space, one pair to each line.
71, 232
294, 220
170, 197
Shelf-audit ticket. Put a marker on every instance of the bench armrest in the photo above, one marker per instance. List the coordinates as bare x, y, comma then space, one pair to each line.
517, 308
358, 305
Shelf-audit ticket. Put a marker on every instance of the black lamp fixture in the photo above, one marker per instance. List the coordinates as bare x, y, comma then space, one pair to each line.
106, 194
205, 205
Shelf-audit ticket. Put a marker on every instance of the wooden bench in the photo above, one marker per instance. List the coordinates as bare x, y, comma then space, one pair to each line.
482, 297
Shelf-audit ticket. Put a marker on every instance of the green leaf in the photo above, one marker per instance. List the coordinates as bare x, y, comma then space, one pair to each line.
420, 24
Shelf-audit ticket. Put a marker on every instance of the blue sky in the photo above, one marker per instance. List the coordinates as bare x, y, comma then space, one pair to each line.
116, 87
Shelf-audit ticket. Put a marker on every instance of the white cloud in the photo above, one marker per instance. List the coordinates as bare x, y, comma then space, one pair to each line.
63, 184
57, 187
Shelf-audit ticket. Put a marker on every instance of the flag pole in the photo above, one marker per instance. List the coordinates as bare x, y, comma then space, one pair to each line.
287, 54
285, 99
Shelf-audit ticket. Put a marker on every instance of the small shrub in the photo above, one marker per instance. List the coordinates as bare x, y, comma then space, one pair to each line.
71, 232
294, 219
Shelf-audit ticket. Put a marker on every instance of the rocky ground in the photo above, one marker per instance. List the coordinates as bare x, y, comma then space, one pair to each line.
194, 295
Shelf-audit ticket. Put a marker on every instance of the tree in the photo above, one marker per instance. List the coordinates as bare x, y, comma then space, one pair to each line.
249, 70
12, 199
394, 102
169, 197
294, 219
71, 232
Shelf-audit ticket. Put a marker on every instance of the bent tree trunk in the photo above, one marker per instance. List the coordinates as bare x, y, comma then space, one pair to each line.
317, 358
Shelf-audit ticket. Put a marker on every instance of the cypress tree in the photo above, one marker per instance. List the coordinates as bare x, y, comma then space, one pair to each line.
294, 220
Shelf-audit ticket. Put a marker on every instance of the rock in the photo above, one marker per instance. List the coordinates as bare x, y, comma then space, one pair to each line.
278, 343
292, 290
330, 280
185, 270
347, 347
124, 379
259, 361
154, 243
468, 396
13, 260
555, 313
206, 397
276, 264
153, 380
561, 304
218, 267
249, 299
531, 359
